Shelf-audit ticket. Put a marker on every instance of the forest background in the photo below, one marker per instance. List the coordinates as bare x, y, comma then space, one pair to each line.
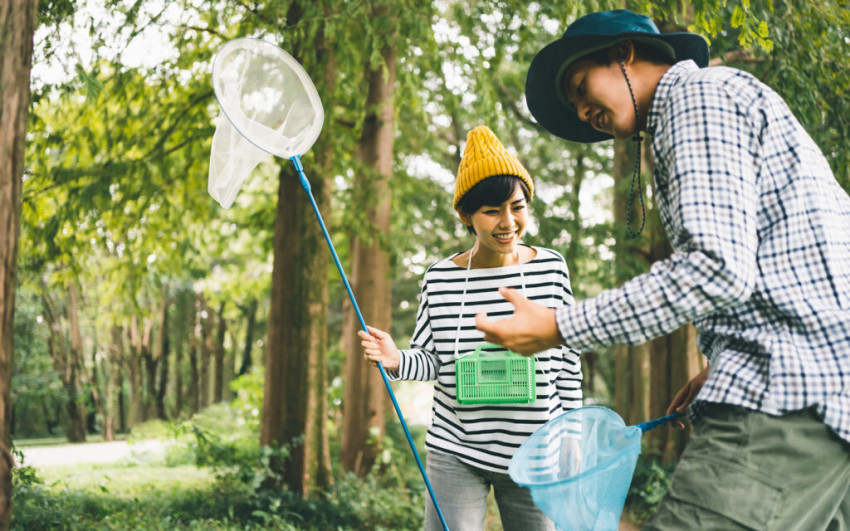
130, 296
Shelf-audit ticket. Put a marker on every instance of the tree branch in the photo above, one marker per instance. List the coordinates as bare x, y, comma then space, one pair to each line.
740, 56
513, 105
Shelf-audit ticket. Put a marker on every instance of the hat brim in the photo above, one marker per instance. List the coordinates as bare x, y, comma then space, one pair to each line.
542, 86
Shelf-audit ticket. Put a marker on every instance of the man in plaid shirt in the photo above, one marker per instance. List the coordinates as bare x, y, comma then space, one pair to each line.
761, 266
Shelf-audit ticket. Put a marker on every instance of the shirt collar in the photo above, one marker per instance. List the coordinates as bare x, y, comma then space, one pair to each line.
670, 78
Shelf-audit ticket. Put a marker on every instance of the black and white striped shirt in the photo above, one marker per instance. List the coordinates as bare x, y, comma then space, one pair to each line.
486, 436
761, 265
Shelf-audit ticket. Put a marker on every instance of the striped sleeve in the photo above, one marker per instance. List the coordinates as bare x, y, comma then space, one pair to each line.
420, 361
568, 381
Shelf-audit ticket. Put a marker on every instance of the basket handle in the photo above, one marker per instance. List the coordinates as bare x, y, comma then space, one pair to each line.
477, 352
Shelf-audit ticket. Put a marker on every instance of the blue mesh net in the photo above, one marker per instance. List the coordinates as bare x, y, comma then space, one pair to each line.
578, 467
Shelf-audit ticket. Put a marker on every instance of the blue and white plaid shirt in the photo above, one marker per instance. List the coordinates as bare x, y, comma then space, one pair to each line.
761, 264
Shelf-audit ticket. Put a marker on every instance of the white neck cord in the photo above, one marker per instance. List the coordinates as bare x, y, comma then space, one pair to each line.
463, 297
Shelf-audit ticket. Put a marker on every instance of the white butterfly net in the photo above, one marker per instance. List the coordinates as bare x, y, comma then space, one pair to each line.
269, 105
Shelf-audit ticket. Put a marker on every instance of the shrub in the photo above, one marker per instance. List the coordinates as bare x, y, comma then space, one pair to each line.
244, 495
649, 485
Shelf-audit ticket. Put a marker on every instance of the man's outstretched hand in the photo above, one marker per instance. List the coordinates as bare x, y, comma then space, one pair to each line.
532, 328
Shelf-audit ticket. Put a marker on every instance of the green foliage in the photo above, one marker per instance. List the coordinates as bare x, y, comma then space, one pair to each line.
221, 440
249, 398
749, 19
36, 391
351, 503
388, 498
810, 68
53, 12
220, 437
122, 497
799, 49
242, 496
649, 485
24, 476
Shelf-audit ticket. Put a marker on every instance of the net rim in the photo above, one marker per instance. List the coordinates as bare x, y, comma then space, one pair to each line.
255, 42
512, 470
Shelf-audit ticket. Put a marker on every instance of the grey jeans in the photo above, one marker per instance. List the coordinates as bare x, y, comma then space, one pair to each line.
748, 470
462, 490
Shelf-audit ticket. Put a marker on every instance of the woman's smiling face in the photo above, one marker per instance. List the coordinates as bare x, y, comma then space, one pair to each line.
601, 96
498, 228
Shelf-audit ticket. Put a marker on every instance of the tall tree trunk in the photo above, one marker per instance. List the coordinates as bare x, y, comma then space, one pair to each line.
251, 312
295, 400
194, 373
17, 24
574, 227
123, 422
297, 337
632, 367
320, 468
229, 369
152, 354
365, 396
663, 350
135, 360
150, 366
164, 347
178, 378
183, 333
136, 405
49, 422
96, 397
76, 401
675, 360
113, 389
62, 356
194, 396
218, 370
205, 348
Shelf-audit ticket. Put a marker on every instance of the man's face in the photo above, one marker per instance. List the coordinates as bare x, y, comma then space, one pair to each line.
601, 97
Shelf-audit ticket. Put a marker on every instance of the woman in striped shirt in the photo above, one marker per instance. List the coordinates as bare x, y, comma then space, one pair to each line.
470, 446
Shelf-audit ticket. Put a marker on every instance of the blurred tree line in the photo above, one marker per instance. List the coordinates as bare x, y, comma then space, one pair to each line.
139, 298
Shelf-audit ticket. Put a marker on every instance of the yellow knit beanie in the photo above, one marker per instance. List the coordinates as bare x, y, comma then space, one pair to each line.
484, 156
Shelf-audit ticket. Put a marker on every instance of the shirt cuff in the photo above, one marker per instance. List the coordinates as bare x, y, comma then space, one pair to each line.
578, 325
396, 374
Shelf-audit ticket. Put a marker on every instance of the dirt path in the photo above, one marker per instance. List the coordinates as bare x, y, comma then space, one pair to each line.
95, 452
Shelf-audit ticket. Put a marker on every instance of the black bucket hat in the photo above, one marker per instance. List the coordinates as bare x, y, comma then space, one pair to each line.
596, 31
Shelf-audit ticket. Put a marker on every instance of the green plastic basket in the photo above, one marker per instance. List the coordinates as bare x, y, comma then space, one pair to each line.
495, 378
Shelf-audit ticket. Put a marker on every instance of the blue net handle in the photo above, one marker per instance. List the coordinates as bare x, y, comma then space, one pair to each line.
651, 424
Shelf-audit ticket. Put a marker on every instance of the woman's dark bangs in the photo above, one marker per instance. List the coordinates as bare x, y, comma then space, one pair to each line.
492, 191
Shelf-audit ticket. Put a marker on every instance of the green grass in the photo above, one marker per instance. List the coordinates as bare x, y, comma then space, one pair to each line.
127, 481
171, 492
106, 497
